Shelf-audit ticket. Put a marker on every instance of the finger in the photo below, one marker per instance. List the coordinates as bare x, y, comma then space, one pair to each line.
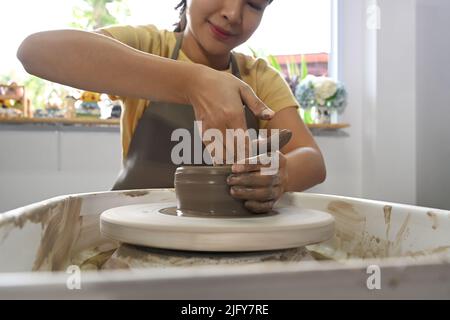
222, 145
258, 194
238, 140
256, 163
214, 144
259, 207
254, 179
259, 109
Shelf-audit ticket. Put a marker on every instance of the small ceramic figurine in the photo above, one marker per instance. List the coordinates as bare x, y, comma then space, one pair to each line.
15, 91
5, 104
11, 94
89, 106
53, 106
69, 107
116, 110
10, 105
7, 109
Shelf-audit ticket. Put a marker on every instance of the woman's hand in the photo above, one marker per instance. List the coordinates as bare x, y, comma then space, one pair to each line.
218, 99
259, 190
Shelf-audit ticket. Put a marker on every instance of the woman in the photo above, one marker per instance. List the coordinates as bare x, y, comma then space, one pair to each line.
167, 80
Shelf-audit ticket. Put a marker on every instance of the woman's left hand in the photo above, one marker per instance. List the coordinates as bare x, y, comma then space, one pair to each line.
259, 191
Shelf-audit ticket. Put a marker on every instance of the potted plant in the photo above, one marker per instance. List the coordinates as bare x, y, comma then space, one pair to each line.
325, 97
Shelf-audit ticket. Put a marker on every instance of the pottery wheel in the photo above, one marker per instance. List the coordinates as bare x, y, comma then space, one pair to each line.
145, 225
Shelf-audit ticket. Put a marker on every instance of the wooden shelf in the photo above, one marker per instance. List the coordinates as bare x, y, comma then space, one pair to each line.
112, 122
9, 97
116, 122
332, 126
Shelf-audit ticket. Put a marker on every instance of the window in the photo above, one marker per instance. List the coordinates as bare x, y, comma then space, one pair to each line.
292, 28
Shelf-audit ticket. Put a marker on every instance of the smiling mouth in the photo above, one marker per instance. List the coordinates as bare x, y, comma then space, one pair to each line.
219, 32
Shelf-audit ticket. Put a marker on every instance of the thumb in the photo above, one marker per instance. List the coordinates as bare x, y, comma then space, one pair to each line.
259, 109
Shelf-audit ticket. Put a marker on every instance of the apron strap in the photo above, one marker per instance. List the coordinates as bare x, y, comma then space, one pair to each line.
235, 66
176, 51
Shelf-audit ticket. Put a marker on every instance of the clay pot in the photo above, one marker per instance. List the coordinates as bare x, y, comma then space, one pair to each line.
203, 191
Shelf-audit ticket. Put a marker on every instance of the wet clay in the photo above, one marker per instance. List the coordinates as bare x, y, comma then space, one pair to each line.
202, 191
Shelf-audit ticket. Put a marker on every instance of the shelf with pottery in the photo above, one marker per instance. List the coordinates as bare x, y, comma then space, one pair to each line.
65, 121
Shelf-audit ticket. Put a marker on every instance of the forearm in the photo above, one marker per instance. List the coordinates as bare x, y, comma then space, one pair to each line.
305, 169
97, 63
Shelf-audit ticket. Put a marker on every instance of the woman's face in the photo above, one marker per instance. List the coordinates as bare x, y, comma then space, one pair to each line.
221, 25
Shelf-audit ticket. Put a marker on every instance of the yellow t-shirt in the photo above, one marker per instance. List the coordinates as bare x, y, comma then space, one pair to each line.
265, 81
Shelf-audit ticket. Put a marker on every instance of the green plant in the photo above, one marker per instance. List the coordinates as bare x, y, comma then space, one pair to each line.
304, 72
293, 69
274, 63
5, 78
295, 74
94, 14
36, 88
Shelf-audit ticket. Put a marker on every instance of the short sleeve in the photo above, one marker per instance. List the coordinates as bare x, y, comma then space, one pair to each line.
273, 89
145, 38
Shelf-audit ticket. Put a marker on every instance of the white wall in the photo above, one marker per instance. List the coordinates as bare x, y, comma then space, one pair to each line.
398, 77
433, 103
389, 152
41, 162
377, 63
405, 134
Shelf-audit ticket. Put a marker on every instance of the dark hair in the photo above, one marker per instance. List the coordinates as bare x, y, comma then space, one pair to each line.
181, 25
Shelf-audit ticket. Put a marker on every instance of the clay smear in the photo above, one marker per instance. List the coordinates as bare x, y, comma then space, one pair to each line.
387, 219
353, 241
60, 233
434, 219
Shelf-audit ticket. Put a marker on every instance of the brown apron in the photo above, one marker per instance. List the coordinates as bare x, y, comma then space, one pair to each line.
148, 164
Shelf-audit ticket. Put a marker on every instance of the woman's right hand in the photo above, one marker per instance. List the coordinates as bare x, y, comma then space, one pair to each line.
218, 99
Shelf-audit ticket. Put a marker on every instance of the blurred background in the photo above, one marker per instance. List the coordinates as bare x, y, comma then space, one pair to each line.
383, 125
